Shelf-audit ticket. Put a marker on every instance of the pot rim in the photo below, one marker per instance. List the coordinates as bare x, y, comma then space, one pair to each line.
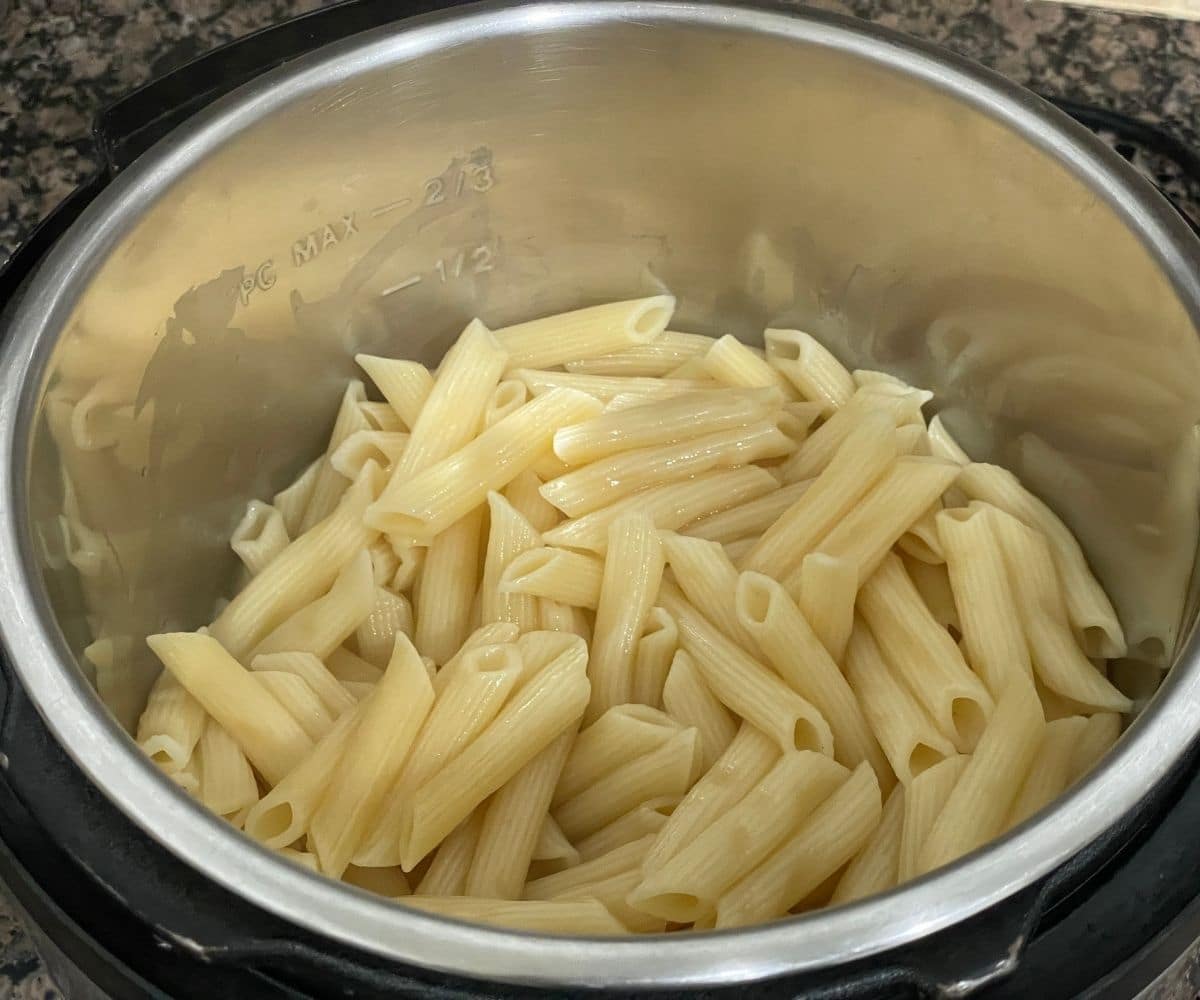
73, 713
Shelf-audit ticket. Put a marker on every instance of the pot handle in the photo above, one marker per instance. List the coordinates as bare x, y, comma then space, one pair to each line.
126, 129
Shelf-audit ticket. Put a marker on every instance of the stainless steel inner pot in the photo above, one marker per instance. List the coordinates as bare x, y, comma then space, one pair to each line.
185, 346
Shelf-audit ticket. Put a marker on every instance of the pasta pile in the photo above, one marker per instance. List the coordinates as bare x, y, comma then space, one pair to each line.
604, 628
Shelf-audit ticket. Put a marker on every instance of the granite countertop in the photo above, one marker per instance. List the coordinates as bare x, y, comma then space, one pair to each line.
64, 59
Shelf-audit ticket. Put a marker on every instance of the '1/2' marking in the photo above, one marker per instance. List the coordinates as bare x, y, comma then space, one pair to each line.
467, 262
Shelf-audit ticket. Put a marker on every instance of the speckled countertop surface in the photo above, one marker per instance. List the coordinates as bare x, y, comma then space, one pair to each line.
61, 60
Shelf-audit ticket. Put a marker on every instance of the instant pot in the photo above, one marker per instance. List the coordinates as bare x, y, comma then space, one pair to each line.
369, 177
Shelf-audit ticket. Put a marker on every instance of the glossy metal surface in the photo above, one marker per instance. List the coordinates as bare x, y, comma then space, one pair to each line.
184, 349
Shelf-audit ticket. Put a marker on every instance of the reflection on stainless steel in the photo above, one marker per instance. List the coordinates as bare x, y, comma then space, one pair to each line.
185, 351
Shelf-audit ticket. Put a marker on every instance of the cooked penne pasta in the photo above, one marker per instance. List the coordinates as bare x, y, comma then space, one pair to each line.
505, 398
655, 358
404, 384
907, 735
732, 363
831, 835
922, 653
744, 685
619, 859
1052, 767
299, 701
933, 584
670, 506
810, 367
509, 535
524, 493
319, 678
361, 447
571, 578
259, 537
608, 480
876, 867
586, 333
708, 579
423, 506
171, 724
617, 737
633, 568
645, 819
1097, 738
792, 647
828, 591
330, 484
748, 520
981, 799
556, 916
553, 848
924, 801
260, 725
447, 875
447, 587
688, 700
606, 389
655, 649
376, 634
292, 500
227, 783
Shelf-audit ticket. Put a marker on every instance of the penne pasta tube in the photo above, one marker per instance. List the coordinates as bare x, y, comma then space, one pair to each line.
329, 484
384, 564
495, 634
612, 892
797, 654
652, 659
689, 884
633, 568
553, 848
690, 703
282, 816
829, 837
669, 506
506, 397
513, 822
708, 580
453, 411
744, 685
653, 359
361, 447
586, 333
571, 578
617, 737
926, 798
868, 532
667, 770
426, 504
447, 875
556, 617
558, 916
320, 627
679, 418
828, 591
267, 734
375, 635
259, 537
1057, 659
298, 699
603, 482
1088, 608
291, 501
921, 540
924, 656
606, 389
509, 535
1051, 771
909, 738
732, 363
373, 758
621, 859
810, 367
743, 764
302, 858
447, 587
313, 672
544, 707
943, 445
748, 520
227, 782
381, 416
404, 384
900, 406
992, 637
875, 868
300, 573
524, 493
410, 561
866, 454
980, 801
171, 724
1097, 738
646, 819
482, 682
